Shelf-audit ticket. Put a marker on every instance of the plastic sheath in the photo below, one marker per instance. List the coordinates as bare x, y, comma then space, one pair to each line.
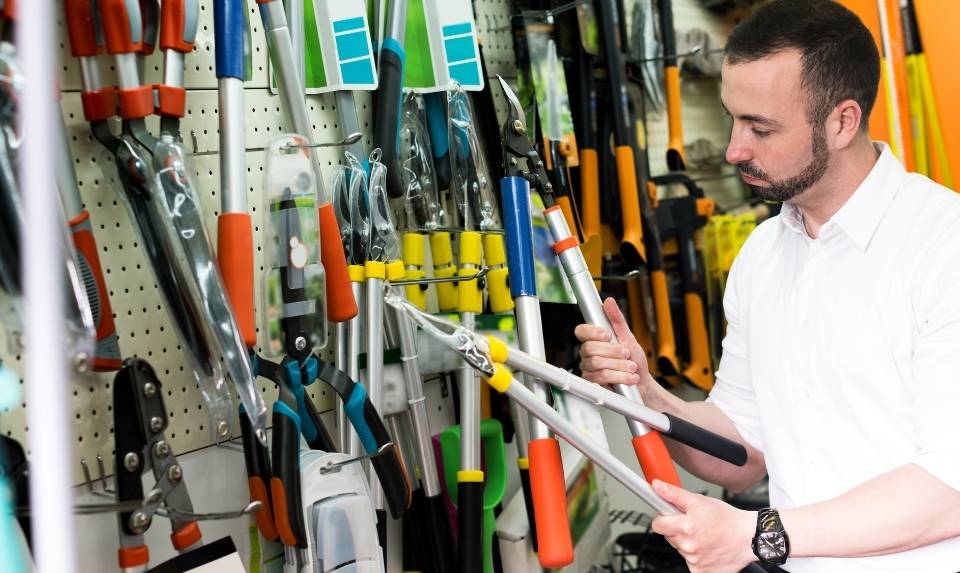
412, 379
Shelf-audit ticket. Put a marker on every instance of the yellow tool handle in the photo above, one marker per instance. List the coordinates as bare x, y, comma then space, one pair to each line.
495, 257
412, 247
443, 267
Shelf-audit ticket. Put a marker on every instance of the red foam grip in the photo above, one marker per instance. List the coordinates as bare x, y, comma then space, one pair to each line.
133, 556
550, 504
654, 458
187, 536
235, 256
341, 306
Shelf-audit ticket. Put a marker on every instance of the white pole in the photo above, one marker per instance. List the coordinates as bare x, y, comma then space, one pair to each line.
45, 371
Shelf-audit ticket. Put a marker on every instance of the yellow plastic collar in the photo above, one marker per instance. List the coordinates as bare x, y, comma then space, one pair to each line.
470, 476
501, 379
499, 351
395, 271
375, 270
356, 273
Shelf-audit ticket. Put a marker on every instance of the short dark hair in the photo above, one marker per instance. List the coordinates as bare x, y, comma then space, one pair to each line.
839, 57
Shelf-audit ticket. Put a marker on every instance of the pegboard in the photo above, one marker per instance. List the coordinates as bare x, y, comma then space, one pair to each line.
143, 326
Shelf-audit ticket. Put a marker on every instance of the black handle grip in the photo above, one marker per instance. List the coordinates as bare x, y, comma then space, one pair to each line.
470, 521
754, 568
388, 114
442, 555
528, 503
415, 545
706, 441
285, 484
389, 465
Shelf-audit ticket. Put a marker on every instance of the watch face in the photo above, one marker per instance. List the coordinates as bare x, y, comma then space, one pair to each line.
771, 546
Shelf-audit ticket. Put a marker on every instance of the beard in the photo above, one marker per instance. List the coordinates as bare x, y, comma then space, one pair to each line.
785, 189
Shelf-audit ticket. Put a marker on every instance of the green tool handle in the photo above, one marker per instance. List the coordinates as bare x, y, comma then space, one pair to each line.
470, 518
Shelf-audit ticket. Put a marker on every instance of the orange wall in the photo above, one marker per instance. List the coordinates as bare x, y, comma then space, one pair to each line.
938, 21
867, 10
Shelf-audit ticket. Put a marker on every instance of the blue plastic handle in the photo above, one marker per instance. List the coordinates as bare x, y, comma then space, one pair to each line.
515, 192
292, 372
229, 27
354, 408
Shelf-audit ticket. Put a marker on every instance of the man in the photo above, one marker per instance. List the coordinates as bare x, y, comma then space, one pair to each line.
841, 364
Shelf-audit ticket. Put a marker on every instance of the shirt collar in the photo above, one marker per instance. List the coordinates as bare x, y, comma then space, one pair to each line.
860, 216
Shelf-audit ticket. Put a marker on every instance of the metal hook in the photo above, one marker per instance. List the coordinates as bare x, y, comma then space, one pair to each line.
431, 280
625, 277
331, 467
348, 140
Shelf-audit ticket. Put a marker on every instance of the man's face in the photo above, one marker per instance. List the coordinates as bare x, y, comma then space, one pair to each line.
779, 154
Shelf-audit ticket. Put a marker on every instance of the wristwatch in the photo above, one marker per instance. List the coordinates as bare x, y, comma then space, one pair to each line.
770, 544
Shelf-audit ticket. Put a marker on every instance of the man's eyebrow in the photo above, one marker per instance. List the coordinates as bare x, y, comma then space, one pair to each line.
767, 121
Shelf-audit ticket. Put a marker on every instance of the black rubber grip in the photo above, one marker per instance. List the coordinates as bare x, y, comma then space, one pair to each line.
389, 466
388, 116
442, 554
415, 545
706, 441
528, 503
255, 455
470, 521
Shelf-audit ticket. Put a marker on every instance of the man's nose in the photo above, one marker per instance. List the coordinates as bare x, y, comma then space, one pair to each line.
737, 151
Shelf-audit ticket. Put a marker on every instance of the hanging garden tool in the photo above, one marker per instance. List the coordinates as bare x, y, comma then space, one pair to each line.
640, 244
541, 469
649, 447
389, 94
489, 357
294, 315
686, 215
423, 209
161, 198
676, 155
341, 304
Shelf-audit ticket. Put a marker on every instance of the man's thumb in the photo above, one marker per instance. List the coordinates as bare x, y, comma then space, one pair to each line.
620, 328
677, 496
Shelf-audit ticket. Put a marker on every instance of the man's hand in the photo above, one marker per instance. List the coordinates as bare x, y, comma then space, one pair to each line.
603, 360
710, 535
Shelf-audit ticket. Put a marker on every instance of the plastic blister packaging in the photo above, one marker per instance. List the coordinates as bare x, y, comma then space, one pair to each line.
384, 246
194, 254
472, 189
348, 183
423, 208
292, 244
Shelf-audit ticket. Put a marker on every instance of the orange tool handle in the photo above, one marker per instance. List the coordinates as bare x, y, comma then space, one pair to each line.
129, 557
341, 306
178, 25
235, 255
590, 192
9, 10
631, 245
264, 515
676, 155
655, 458
186, 536
549, 490
699, 371
638, 321
667, 362
107, 356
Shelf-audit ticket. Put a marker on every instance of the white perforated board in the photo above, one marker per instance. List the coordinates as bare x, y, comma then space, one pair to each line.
141, 321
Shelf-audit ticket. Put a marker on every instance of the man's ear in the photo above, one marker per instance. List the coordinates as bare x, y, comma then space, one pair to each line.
844, 123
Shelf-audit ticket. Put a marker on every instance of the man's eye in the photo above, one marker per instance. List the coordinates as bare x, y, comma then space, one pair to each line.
760, 133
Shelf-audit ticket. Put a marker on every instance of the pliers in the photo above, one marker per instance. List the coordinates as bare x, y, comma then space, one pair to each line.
140, 420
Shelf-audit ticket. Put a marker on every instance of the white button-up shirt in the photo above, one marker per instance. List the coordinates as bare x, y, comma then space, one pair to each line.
842, 355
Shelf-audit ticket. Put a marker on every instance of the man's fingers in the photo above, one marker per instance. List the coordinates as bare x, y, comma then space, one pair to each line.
603, 363
668, 525
587, 332
608, 377
603, 349
619, 324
